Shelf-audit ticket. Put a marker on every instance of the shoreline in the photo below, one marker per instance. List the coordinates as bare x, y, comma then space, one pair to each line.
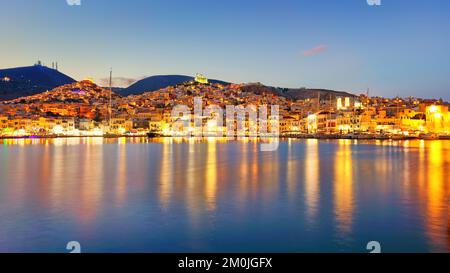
303, 136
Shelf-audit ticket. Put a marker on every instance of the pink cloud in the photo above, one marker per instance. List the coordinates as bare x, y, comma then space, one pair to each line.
315, 50
119, 81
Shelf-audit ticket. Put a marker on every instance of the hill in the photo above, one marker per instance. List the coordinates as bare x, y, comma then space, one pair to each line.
85, 92
304, 93
154, 83
295, 93
26, 81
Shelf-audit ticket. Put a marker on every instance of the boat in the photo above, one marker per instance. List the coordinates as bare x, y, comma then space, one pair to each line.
398, 137
111, 135
153, 134
430, 137
346, 136
365, 136
382, 137
444, 137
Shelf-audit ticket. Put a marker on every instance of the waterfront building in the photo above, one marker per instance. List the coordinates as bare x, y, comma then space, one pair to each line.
322, 122
156, 124
437, 119
343, 121
412, 121
120, 125
85, 124
289, 125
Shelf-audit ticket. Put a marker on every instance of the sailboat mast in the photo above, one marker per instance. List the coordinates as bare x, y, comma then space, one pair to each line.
110, 98
318, 101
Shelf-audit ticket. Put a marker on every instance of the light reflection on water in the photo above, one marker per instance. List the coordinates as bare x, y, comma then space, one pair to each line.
175, 195
344, 203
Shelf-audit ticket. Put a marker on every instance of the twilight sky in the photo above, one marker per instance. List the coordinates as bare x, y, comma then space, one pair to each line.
399, 48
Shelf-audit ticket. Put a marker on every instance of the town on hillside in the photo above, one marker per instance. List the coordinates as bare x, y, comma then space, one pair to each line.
86, 109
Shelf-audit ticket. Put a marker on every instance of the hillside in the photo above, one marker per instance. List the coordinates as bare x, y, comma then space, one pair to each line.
85, 92
155, 83
293, 93
158, 82
26, 81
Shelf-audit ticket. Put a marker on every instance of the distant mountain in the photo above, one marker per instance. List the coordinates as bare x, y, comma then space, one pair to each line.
305, 93
154, 83
117, 90
26, 81
295, 93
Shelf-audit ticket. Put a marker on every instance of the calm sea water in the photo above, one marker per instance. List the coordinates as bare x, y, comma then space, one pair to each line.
131, 195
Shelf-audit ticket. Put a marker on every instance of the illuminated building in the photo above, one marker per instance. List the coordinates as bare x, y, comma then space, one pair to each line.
3, 123
121, 125
347, 102
89, 80
290, 125
411, 121
85, 124
201, 79
322, 122
339, 105
437, 119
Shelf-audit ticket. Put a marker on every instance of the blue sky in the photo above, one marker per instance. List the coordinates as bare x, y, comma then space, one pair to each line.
399, 48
